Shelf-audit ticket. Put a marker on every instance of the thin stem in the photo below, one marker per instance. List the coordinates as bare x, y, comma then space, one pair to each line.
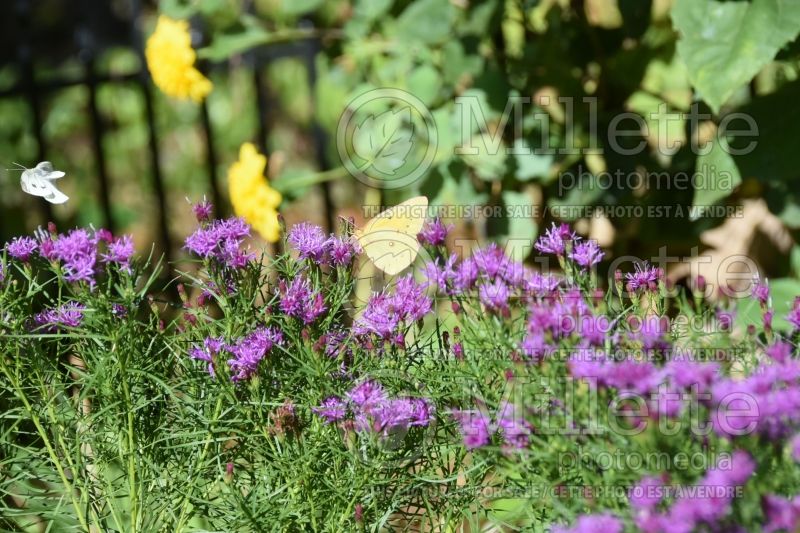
50, 450
185, 504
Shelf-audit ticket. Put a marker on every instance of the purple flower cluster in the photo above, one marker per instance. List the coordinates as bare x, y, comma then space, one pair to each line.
221, 241
782, 514
299, 300
645, 277
794, 315
22, 248
593, 523
120, 252
247, 352
555, 240
372, 410
477, 427
311, 243
386, 316
706, 502
210, 348
67, 315
767, 401
434, 232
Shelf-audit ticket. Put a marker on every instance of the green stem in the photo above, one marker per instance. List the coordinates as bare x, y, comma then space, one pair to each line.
134, 494
48, 445
284, 185
198, 464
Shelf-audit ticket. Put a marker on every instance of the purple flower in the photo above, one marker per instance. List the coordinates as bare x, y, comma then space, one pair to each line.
645, 277
475, 428
51, 320
22, 248
466, 274
434, 233
586, 254
385, 315
103, 235
221, 242
120, 252
77, 251
309, 241
780, 351
593, 523
249, 351
706, 502
646, 494
494, 296
203, 210
298, 300
210, 348
761, 292
333, 409
781, 514
725, 319
374, 411
540, 285
515, 429
367, 394
554, 240
342, 251
794, 315
2, 272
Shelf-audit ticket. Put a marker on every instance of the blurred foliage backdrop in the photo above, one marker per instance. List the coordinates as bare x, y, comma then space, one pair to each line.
656, 58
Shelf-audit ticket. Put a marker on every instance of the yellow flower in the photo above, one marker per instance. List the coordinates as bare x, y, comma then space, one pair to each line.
251, 196
170, 59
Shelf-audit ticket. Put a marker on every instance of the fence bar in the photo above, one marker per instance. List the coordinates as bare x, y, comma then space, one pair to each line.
262, 96
25, 57
87, 53
320, 142
211, 161
97, 145
152, 137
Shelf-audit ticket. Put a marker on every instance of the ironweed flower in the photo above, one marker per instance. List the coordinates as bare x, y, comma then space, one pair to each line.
67, 315
310, 242
299, 300
586, 254
120, 252
250, 350
645, 277
434, 232
593, 523
386, 315
22, 248
555, 240
221, 242
372, 410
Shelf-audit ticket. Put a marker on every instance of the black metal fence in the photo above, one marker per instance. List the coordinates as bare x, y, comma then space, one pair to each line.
94, 25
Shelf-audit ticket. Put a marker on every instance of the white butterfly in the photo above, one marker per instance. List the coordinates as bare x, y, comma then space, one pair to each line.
38, 181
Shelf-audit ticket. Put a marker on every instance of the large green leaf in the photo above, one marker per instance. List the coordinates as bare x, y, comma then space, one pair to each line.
426, 21
725, 44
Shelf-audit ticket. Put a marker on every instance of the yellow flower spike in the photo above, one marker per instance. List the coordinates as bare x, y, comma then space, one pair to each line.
170, 59
251, 196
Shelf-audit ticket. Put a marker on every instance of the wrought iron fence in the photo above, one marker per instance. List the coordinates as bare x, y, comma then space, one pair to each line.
89, 36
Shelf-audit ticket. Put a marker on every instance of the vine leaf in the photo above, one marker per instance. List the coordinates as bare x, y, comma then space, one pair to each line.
725, 44
383, 142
